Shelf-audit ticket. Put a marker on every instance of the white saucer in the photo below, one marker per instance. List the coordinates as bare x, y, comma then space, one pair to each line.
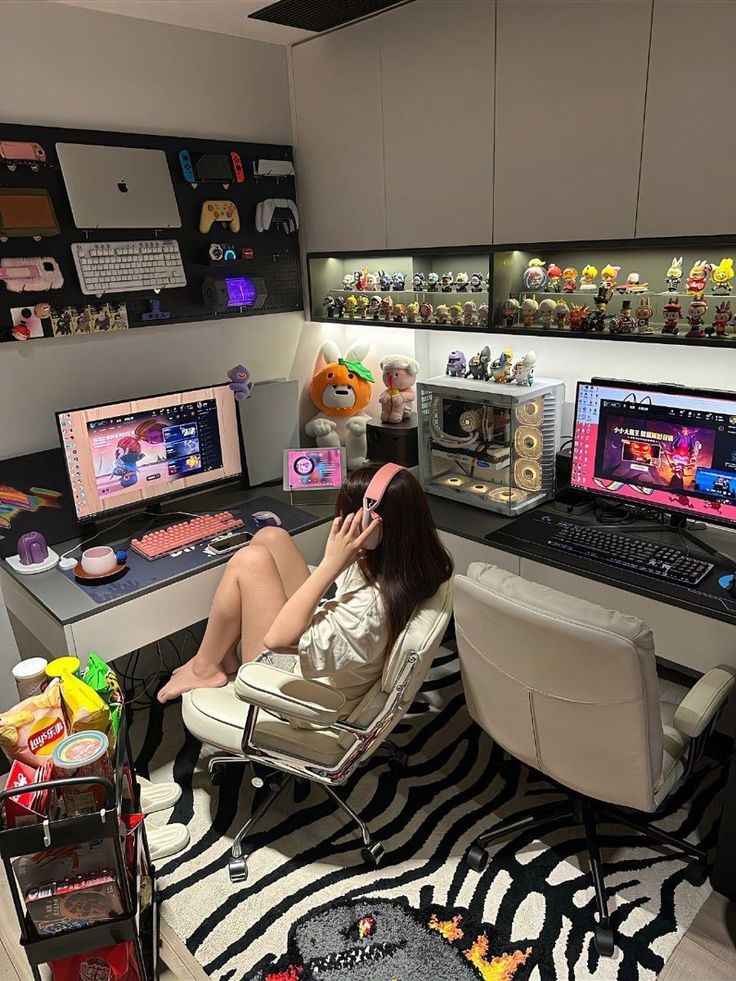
51, 560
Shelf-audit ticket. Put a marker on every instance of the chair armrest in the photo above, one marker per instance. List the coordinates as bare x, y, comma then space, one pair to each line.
704, 700
284, 693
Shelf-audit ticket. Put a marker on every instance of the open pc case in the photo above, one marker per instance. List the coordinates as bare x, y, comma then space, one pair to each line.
487, 444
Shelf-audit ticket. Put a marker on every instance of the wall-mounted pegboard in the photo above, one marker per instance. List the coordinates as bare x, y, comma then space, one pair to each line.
272, 256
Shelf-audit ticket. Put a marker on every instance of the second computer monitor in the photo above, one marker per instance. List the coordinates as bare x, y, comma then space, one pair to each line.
657, 446
127, 454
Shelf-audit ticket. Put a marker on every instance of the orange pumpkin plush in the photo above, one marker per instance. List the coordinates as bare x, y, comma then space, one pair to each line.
341, 390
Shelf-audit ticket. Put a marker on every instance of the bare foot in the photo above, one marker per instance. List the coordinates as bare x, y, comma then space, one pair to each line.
231, 663
192, 675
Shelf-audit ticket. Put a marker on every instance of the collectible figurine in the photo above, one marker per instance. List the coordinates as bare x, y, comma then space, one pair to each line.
398, 282
240, 382
587, 279
524, 369
412, 312
554, 274
442, 314
446, 282
529, 307
672, 314
721, 277
605, 294
456, 314
695, 315
470, 313
644, 313
399, 376
351, 306
501, 370
569, 278
633, 284
578, 317
478, 365
361, 279
510, 311
329, 304
461, 282
546, 312
562, 312
721, 318
698, 277
384, 280
399, 313
418, 282
609, 275
363, 302
339, 306
348, 282
387, 307
535, 275
674, 275
374, 306
624, 323
426, 310
483, 315
456, 365
596, 320
477, 283
433, 282
371, 282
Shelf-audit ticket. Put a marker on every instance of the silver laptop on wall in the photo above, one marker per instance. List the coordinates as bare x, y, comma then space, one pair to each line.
118, 187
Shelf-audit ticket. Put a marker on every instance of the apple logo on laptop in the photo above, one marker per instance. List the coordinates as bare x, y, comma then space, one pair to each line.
123, 187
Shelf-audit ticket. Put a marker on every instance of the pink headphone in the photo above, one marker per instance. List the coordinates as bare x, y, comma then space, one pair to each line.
372, 499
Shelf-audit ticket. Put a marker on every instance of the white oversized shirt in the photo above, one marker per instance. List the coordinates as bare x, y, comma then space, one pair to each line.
345, 643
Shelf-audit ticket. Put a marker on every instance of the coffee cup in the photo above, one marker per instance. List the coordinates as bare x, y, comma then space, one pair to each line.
99, 561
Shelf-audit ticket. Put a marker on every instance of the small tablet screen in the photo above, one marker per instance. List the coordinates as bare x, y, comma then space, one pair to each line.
314, 469
20, 210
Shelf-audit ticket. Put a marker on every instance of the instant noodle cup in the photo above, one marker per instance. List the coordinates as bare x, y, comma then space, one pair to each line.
83, 754
30, 731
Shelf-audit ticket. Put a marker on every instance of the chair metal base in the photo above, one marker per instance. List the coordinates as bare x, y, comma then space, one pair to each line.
588, 814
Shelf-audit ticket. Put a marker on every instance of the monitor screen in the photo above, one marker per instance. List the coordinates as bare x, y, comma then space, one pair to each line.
657, 446
124, 454
314, 469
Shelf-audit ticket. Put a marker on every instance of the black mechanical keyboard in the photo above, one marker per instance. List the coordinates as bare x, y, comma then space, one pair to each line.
638, 554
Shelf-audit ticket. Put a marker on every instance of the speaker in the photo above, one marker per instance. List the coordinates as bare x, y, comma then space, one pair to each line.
393, 442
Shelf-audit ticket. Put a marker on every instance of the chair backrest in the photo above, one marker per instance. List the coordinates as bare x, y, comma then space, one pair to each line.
564, 685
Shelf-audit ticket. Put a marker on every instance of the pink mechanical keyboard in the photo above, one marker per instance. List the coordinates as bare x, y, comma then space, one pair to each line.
155, 544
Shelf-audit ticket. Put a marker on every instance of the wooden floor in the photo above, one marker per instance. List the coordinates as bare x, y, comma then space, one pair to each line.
707, 952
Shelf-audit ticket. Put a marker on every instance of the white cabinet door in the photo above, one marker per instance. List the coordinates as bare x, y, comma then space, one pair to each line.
687, 174
338, 138
437, 78
570, 88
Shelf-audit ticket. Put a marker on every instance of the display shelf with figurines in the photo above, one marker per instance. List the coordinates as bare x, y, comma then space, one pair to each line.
427, 288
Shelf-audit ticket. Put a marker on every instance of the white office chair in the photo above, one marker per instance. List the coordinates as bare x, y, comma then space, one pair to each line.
296, 728
571, 689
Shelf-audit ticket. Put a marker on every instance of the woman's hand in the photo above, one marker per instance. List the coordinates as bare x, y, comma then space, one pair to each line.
346, 541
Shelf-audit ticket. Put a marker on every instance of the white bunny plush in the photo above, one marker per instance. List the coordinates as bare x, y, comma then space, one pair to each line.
341, 390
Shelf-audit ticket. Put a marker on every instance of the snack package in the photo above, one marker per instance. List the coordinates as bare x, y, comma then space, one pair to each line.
31, 730
70, 904
85, 709
116, 963
102, 679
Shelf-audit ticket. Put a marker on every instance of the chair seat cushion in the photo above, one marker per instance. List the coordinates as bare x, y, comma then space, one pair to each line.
216, 716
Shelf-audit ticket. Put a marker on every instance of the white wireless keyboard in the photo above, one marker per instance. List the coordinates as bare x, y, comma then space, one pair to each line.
123, 267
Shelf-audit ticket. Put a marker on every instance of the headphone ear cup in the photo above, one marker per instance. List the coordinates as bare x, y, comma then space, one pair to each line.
374, 539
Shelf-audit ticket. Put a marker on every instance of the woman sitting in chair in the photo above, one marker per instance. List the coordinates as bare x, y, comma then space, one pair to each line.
385, 557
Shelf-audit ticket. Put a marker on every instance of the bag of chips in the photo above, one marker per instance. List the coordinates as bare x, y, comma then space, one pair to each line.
102, 679
116, 963
31, 730
84, 708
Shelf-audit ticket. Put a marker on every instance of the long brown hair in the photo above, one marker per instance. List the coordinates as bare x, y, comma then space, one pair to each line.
410, 564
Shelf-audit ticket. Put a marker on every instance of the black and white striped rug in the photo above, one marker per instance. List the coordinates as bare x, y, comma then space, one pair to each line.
302, 912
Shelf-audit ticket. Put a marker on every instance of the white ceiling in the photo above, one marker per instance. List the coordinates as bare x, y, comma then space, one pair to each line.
219, 16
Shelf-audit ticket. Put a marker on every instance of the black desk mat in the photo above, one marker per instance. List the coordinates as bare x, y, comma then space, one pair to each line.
527, 537
144, 574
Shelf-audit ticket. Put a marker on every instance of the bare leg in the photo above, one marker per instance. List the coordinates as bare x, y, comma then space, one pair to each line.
292, 568
247, 601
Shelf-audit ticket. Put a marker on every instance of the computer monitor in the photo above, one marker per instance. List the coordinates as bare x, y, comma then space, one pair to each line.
129, 454
661, 446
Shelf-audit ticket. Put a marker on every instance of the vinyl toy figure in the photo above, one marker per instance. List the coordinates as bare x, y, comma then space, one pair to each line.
361, 279
412, 312
609, 276
446, 283
624, 323
426, 311
456, 365
340, 306
483, 315
478, 365
672, 314
384, 280
399, 313
578, 317
674, 275
587, 279
398, 282
433, 282
442, 314
698, 277
510, 311
477, 283
456, 314
569, 279
633, 284
596, 320
524, 369
696, 313
529, 307
461, 282
470, 314
371, 282
535, 275
546, 312
329, 304
418, 282
351, 306
554, 275
644, 313
387, 307
501, 370
348, 282
562, 312
721, 277
721, 318
374, 306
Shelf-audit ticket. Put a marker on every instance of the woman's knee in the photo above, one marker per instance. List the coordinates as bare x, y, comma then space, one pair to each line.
270, 536
252, 558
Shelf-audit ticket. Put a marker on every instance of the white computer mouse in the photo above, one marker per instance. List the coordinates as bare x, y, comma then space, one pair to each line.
264, 519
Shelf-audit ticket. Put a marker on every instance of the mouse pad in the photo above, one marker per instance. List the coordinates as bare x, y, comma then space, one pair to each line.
144, 574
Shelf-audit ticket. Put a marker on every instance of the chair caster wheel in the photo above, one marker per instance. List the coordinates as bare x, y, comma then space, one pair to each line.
696, 873
604, 940
237, 870
217, 776
373, 854
476, 857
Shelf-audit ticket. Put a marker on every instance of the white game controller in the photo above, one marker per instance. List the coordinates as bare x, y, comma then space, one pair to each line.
280, 213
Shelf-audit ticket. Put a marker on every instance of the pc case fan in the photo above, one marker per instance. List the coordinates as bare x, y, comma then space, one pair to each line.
530, 413
528, 475
528, 442
507, 495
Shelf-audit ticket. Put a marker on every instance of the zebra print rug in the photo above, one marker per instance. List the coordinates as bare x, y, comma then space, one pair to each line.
309, 903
